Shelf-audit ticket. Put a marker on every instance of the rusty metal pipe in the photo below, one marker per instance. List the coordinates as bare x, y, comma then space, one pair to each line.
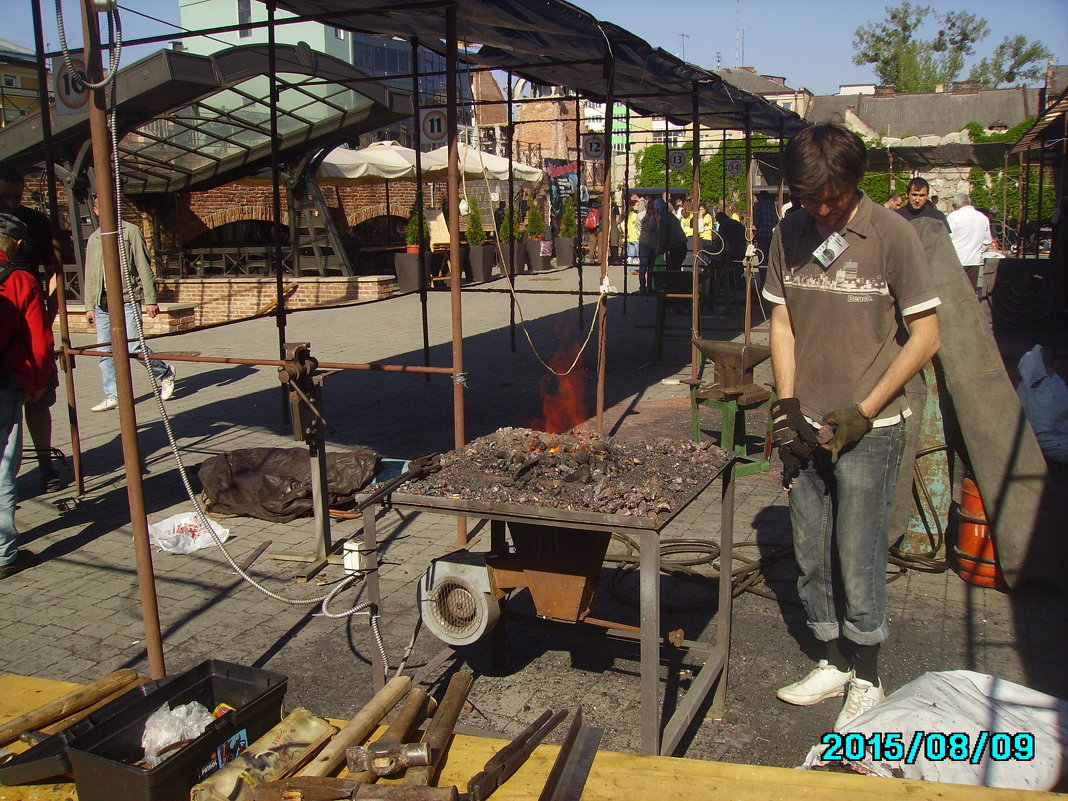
110, 239
179, 357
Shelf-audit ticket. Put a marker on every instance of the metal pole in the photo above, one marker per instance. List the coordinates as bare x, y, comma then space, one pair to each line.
748, 331
580, 233
627, 212
417, 143
606, 195
1025, 180
276, 203
456, 269
66, 359
511, 215
695, 194
109, 239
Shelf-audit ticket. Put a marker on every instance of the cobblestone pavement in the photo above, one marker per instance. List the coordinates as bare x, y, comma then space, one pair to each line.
75, 615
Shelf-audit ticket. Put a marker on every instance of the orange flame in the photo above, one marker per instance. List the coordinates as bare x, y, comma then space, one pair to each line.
563, 402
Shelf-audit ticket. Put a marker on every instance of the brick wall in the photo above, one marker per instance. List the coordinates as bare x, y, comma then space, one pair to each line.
192, 302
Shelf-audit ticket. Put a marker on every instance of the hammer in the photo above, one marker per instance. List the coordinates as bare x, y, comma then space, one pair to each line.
392, 753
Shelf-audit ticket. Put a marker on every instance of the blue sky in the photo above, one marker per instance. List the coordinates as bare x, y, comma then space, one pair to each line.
809, 42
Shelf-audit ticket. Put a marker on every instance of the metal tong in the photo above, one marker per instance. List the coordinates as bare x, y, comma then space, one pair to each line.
417, 468
502, 765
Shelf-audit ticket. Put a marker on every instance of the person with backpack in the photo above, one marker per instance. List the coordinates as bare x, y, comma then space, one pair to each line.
593, 233
26, 345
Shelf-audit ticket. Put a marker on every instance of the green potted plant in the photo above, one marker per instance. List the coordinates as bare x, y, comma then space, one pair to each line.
565, 241
535, 237
479, 256
411, 275
508, 236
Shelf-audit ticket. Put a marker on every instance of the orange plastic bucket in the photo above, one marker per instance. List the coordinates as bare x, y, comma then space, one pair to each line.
975, 553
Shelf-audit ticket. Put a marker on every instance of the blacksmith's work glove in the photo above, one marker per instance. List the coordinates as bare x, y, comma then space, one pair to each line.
849, 425
794, 435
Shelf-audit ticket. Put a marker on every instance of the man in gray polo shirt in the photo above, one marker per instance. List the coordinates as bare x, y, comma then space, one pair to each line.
842, 273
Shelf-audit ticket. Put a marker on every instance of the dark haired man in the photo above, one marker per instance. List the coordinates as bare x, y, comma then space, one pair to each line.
842, 273
25, 364
38, 256
919, 202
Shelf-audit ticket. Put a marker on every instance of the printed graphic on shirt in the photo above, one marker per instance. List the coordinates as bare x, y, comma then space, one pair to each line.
843, 278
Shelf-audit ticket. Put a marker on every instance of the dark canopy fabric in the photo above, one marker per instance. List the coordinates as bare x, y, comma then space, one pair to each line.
554, 42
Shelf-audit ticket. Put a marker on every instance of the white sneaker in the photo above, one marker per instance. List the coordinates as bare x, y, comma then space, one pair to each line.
108, 404
166, 385
862, 696
824, 681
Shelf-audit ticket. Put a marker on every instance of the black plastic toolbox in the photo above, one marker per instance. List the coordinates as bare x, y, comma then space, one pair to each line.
103, 759
48, 759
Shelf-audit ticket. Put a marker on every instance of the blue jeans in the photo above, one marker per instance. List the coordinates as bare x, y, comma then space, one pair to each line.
11, 459
107, 364
646, 260
632, 253
839, 514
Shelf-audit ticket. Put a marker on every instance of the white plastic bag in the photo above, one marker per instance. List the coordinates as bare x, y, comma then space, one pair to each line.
184, 533
166, 726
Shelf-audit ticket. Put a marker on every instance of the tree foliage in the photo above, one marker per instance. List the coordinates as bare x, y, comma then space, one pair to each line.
651, 161
1015, 61
902, 56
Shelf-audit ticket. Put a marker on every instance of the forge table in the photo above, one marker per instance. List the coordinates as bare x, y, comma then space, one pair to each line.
657, 736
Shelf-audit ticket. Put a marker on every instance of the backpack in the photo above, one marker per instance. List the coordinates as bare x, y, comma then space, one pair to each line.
593, 219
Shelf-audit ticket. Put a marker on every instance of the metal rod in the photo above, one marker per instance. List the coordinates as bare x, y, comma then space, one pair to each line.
110, 236
511, 213
276, 201
606, 200
695, 224
373, 593
89, 350
61, 290
417, 143
456, 268
649, 600
748, 330
580, 228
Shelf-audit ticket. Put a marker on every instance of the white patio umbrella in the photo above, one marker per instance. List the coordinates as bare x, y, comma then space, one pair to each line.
377, 163
475, 163
380, 161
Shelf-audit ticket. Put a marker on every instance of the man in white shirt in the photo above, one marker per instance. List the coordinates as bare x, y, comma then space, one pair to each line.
969, 229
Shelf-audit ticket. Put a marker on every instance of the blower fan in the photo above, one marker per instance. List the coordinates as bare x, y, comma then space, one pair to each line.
454, 598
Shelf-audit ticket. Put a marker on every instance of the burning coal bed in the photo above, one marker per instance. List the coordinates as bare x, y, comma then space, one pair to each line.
578, 470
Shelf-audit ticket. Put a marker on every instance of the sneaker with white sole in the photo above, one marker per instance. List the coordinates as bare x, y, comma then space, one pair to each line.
862, 696
166, 385
108, 404
824, 681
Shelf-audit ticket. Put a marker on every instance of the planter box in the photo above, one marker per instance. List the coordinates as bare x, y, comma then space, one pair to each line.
565, 251
536, 261
480, 258
520, 259
409, 277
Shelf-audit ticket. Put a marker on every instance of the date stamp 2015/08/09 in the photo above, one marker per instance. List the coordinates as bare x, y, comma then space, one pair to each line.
933, 746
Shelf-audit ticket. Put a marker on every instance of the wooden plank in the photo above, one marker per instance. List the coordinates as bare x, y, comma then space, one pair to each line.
614, 776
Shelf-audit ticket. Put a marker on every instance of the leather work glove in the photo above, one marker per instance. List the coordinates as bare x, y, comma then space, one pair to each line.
849, 425
794, 435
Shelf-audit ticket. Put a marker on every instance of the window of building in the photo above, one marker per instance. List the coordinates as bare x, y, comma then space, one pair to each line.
786, 104
339, 33
11, 81
244, 17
